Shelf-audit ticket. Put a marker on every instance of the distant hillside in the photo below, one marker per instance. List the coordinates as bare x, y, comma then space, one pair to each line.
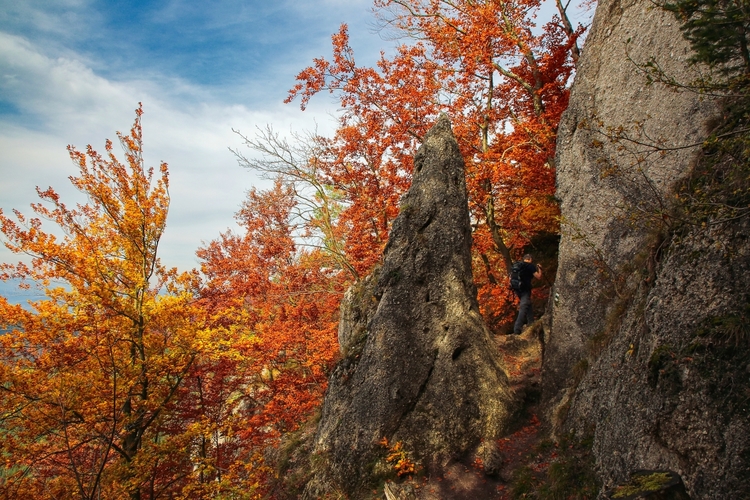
15, 295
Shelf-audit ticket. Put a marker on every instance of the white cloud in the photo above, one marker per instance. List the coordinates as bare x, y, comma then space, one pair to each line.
62, 101
73, 71
51, 17
57, 93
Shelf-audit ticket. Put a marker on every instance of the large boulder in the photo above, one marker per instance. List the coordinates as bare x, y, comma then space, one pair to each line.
419, 365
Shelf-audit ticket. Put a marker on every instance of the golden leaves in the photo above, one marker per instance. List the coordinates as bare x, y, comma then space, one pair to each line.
91, 373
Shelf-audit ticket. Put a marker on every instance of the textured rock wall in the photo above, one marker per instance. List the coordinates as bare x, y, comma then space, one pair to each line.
672, 388
640, 352
600, 184
419, 365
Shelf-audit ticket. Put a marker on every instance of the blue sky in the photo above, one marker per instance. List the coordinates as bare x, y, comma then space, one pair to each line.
73, 72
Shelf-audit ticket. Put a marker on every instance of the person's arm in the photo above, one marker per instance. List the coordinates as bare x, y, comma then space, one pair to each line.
538, 273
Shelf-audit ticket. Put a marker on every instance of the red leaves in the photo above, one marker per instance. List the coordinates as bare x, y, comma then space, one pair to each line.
505, 88
278, 305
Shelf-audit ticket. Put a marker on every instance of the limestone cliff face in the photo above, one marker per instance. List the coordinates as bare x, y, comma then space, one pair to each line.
632, 355
598, 182
419, 366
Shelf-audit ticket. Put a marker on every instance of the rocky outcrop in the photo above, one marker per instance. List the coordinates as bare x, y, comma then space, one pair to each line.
671, 389
419, 367
601, 184
640, 352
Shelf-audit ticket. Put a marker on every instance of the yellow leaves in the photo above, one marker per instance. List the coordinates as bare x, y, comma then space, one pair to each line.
92, 371
398, 458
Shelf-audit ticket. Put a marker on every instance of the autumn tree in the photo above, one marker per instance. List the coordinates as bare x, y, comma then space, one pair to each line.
502, 79
280, 298
90, 375
297, 163
364, 169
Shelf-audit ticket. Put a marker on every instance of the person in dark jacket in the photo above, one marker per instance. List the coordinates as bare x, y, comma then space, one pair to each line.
528, 272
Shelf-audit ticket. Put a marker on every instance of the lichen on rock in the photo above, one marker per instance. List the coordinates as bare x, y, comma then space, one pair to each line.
656, 485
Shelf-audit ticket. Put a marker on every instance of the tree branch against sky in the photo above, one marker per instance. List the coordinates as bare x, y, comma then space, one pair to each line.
73, 70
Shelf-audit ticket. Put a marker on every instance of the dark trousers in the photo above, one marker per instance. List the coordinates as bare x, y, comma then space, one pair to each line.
525, 314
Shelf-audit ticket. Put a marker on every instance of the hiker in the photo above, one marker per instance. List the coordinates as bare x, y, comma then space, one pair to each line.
526, 272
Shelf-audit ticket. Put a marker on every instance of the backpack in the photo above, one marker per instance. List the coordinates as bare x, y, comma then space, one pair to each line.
515, 276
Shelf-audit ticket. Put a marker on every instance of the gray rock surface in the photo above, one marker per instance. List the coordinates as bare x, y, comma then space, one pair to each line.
631, 356
419, 365
667, 393
600, 184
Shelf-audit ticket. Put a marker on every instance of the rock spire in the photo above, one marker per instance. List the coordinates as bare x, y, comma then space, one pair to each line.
419, 364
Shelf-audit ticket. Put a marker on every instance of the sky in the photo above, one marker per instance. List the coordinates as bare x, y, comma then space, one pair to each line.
74, 71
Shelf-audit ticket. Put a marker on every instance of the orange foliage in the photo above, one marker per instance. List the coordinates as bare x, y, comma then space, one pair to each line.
399, 458
504, 84
101, 381
369, 160
281, 305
